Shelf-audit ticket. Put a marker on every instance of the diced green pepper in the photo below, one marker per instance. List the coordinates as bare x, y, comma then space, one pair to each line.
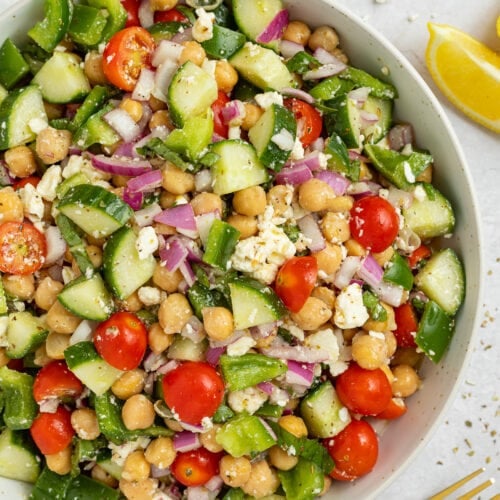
339, 156
302, 62
249, 369
222, 239
375, 308
117, 16
399, 272
330, 88
86, 450
13, 66
361, 78
85, 488
96, 131
304, 482
165, 31
50, 485
201, 296
87, 25
20, 406
156, 147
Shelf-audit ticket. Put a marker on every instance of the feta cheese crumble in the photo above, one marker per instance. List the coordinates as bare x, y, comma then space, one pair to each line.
350, 312
147, 242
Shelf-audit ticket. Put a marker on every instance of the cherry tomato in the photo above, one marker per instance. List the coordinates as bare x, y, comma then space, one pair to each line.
406, 325
395, 409
126, 54
354, 451
169, 16
121, 340
132, 8
419, 254
32, 179
52, 432
22, 248
309, 121
295, 281
367, 392
220, 128
56, 380
193, 390
195, 467
374, 223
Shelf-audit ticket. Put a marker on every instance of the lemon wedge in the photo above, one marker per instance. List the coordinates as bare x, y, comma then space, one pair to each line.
498, 26
467, 72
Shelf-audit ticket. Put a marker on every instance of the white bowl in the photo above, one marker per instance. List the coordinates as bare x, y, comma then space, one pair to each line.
369, 50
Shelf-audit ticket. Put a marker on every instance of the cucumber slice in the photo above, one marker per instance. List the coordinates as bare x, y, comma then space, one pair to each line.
224, 42
253, 303
3, 93
262, 67
90, 368
237, 167
378, 88
25, 333
18, 459
185, 349
276, 123
87, 298
191, 93
17, 111
62, 80
97, 211
13, 66
442, 279
323, 413
382, 108
430, 215
124, 270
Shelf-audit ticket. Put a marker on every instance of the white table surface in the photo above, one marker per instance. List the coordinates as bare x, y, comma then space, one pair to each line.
469, 436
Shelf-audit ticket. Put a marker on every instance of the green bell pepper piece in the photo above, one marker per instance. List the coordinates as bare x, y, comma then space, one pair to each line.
361, 78
51, 30
86, 450
85, 488
20, 406
222, 239
87, 25
50, 485
117, 16
13, 66
339, 157
201, 296
434, 331
304, 482
399, 272
250, 369
96, 131
330, 88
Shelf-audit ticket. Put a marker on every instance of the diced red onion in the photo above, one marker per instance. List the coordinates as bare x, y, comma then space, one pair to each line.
126, 149
370, 271
194, 252
266, 387
158, 132
153, 361
186, 441
187, 273
167, 367
149, 384
123, 124
288, 48
400, 198
49, 405
147, 112
183, 35
134, 199
346, 272
83, 332
144, 86
181, 217
214, 484
232, 111
324, 71
299, 373
309, 227
318, 144
167, 50
146, 182
129, 167
363, 188
237, 334
198, 493
145, 216
299, 94
173, 254
203, 180
213, 355
204, 223
359, 95
163, 76
145, 14
368, 118
263, 331
294, 174
193, 330
157, 472
191, 427
356, 155
5, 178
217, 138
56, 246
336, 181
275, 28
325, 57
55, 272
280, 349
400, 135
389, 293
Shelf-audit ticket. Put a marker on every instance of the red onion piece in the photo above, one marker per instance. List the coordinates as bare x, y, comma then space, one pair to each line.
400, 135
355, 155
288, 49
367, 117
310, 229
363, 188
163, 76
83, 332
318, 144
186, 441
126, 149
49, 404
400, 198
167, 367
157, 472
266, 387
204, 223
144, 86
146, 182
5, 178
193, 330
268, 428
129, 167
183, 35
299, 373
158, 132
294, 174
232, 111
145, 216
198, 493
370, 271
194, 252
213, 355
275, 28
347, 270
263, 331
336, 181
214, 484
280, 349
187, 273
299, 94
191, 427
153, 361
133, 198
145, 14
56, 245
360, 95
325, 57
203, 180
123, 124
325, 71
167, 50
389, 293
173, 254
181, 217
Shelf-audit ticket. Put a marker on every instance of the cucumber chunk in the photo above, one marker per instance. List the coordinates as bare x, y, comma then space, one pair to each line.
18, 459
442, 279
224, 42
25, 332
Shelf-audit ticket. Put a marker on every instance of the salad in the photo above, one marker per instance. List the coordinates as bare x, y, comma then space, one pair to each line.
222, 259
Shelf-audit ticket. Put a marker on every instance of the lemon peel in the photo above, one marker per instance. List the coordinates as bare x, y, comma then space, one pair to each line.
467, 72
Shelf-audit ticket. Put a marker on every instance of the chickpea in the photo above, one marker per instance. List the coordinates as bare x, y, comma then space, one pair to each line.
406, 381
156, 104
335, 227
263, 480
46, 293
20, 286
136, 467
354, 248
369, 351
388, 372
383, 257
11, 206
297, 32
382, 326
340, 55
280, 197
348, 334
160, 452
165, 279
329, 259
60, 320
138, 412
325, 294
130, 383
139, 490
175, 180
204, 203
162, 4
316, 195
250, 201
60, 462
167, 199
208, 439
235, 471
225, 76
56, 344
294, 425
327, 484
323, 37
246, 225
218, 322
93, 68
41, 356
95, 255
174, 313
426, 175
251, 115
52, 145
132, 303
158, 340
407, 356
20, 161
133, 108
314, 313
159, 119
193, 52
280, 459
84, 421
99, 474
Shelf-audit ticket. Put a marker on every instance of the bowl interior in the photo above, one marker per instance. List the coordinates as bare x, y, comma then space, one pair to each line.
416, 104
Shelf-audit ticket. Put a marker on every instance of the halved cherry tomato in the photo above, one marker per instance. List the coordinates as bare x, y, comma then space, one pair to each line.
295, 281
220, 128
395, 409
126, 54
374, 223
354, 451
52, 432
195, 467
406, 325
309, 121
367, 392
193, 390
419, 254
22, 248
56, 380
132, 8
121, 340
32, 179
169, 16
